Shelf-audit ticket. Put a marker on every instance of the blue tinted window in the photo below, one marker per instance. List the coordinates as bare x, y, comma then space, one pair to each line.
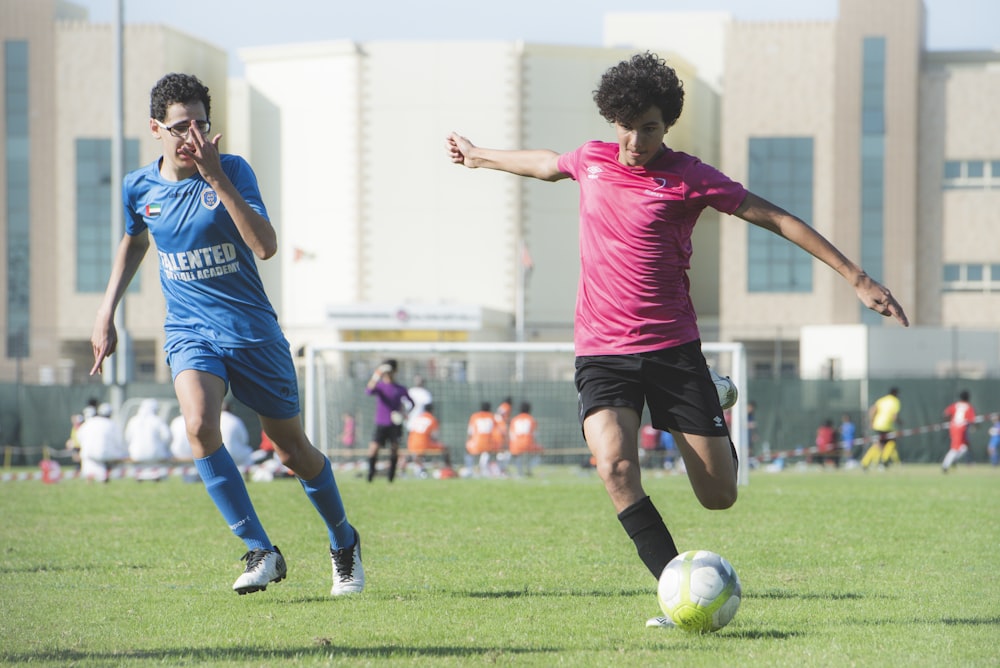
17, 189
781, 170
94, 196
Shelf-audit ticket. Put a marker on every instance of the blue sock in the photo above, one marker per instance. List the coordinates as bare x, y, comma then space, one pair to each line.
226, 487
322, 491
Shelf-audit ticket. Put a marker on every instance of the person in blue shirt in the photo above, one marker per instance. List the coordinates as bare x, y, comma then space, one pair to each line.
847, 434
205, 213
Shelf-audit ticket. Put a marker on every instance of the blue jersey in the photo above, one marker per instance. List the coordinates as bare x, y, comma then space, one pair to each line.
208, 273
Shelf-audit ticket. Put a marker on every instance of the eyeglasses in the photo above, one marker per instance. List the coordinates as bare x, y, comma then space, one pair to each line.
183, 128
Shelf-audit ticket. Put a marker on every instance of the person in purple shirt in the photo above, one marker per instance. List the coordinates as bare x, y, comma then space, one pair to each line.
390, 412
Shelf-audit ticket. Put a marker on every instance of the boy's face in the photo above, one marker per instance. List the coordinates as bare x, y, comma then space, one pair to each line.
179, 117
639, 141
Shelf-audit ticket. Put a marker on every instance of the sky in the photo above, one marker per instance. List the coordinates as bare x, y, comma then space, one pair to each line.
235, 24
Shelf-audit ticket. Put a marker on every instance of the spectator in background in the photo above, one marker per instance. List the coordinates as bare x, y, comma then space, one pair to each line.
480, 439
148, 439
424, 439
649, 442
752, 427
993, 449
73, 442
960, 417
235, 436
391, 406
826, 444
348, 431
669, 447
421, 398
847, 433
180, 446
524, 446
101, 444
883, 416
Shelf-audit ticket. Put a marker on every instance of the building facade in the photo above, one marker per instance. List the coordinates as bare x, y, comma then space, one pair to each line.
887, 149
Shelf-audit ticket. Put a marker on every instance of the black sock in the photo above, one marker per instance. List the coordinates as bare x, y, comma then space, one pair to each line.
392, 468
653, 542
372, 461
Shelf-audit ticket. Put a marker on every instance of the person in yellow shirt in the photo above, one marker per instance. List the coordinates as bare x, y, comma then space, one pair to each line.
883, 417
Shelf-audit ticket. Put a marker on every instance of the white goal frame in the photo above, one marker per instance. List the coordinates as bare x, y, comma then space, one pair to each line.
313, 394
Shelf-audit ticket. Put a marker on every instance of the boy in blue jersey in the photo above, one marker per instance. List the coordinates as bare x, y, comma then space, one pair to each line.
206, 215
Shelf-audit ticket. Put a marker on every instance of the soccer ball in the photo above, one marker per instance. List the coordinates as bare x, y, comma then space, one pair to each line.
726, 389
699, 591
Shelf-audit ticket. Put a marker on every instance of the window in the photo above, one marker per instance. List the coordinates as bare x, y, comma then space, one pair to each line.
971, 174
971, 277
872, 163
94, 194
18, 197
781, 170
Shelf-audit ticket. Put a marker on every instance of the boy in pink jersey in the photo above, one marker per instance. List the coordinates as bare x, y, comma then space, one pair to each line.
636, 333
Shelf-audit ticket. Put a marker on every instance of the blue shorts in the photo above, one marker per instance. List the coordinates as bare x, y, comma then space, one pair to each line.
263, 378
673, 382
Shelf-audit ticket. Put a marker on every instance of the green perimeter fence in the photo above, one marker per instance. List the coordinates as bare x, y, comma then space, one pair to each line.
788, 412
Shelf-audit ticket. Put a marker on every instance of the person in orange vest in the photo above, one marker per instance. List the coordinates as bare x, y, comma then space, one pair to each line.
425, 439
501, 436
482, 439
524, 446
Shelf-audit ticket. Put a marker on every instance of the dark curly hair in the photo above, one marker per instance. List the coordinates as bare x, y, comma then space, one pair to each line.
631, 87
174, 88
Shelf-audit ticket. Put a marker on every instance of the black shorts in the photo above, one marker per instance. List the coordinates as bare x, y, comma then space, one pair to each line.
673, 382
387, 433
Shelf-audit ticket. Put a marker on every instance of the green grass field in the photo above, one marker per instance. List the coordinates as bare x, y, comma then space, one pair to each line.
838, 568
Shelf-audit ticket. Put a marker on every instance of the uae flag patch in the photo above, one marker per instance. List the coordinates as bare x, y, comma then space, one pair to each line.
152, 210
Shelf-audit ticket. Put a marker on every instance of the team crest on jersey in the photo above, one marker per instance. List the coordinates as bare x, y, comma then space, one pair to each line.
209, 198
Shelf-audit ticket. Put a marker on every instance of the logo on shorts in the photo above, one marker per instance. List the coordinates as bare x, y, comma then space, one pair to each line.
209, 198
718, 421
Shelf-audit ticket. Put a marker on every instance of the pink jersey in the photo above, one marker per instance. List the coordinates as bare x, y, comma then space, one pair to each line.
635, 246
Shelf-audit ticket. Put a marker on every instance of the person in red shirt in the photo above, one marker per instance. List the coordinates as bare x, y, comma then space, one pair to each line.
826, 444
960, 416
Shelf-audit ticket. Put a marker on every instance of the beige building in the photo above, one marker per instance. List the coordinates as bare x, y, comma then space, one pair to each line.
887, 149
58, 86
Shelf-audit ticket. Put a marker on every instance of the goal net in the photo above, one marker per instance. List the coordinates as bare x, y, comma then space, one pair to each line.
461, 376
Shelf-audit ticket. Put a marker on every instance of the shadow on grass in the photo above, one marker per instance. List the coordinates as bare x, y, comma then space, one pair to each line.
809, 595
522, 593
322, 648
971, 621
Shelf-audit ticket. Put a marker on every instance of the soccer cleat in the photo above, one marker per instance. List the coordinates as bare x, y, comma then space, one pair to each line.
348, 573
263, 568
660, 623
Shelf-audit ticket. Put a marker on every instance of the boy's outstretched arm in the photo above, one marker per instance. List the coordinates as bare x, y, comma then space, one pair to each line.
872, 294
537, 163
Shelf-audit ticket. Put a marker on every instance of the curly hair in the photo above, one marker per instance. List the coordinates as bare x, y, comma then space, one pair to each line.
631, 87
174, 88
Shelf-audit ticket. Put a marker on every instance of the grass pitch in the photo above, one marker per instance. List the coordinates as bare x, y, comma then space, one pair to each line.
838, 568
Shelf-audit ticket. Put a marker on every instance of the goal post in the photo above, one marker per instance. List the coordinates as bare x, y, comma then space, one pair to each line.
462, 375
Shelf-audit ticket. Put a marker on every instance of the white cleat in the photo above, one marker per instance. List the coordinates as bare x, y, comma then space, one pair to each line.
263, 568
660, 623
348, 573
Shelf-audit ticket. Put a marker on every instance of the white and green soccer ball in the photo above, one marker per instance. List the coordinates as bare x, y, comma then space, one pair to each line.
726, 388
699, 591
